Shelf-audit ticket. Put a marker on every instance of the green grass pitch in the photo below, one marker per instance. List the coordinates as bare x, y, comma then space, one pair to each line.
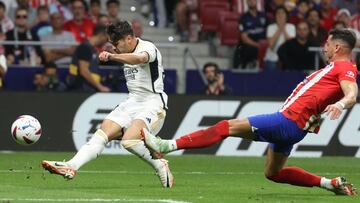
115, 178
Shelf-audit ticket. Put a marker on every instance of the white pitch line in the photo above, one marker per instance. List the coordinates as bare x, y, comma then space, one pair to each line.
178, 173
90, 200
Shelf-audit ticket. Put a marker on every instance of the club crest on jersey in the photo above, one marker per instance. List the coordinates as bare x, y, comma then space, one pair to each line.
350, 74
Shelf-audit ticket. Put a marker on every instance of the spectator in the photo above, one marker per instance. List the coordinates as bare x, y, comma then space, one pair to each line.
355, 20
302, 7
81, 27
63, 7
318, 34
113, 9
48, 80
277, 33
182, 19
6, 22
3, 69
20, 54
347, 4
137, 27
215, 80
25, 4
84, 68
104, 19
270, 7
328, 14
339, 25
43, 26
95, 10
344, 16
252, 26
58, 53
294, 54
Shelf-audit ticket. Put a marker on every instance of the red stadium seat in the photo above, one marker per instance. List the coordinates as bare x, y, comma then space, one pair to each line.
228, 28
209, 14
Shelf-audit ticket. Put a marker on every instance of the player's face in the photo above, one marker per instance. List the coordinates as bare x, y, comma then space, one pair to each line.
330, 48
123, 45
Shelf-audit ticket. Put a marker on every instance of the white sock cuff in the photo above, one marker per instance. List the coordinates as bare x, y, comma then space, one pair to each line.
102, 134
129, 143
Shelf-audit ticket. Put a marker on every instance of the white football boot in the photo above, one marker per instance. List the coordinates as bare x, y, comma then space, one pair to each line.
164, 173
60, 168
342, 187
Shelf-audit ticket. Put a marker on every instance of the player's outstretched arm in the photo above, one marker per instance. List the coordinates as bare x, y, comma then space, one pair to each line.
350, 90
128, 58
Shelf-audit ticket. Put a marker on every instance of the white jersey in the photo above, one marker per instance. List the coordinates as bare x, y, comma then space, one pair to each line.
145, 81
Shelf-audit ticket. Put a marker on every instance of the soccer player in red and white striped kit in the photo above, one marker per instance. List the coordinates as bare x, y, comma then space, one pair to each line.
329, 90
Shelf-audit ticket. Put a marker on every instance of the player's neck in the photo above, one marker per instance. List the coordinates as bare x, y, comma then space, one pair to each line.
341, 58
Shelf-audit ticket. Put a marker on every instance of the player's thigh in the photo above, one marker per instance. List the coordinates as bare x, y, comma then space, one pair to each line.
133, 132
275, 161
241, 128
117, 121
111, 129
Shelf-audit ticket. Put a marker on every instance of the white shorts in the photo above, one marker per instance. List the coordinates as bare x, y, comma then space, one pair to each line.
151, 112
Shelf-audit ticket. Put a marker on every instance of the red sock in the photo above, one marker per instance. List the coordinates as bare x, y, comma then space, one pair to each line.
296, 176
203, 138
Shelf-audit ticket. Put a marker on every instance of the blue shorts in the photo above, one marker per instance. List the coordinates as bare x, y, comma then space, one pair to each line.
281, 132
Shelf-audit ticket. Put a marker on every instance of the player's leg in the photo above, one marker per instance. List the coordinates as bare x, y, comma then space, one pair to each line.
108, 131
276, 171
202, 138
132, 142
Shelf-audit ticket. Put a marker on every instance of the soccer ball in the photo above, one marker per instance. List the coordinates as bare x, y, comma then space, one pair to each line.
26, 130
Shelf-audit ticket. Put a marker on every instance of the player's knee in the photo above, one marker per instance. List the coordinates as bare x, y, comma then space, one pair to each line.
129, 143
102, 134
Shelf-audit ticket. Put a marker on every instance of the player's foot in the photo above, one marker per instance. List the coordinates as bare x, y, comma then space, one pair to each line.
164, 173
342, 187
60, 168
156, 144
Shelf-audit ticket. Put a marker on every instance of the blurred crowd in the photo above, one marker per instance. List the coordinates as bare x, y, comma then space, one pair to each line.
274, 34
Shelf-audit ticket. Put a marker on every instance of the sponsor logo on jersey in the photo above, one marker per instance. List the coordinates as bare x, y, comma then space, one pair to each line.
350, 74
130, 73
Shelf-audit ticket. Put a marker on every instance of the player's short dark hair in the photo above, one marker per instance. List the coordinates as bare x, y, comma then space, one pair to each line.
344, 35
2, 5
119, 30
206, 65
99, 29
117, 2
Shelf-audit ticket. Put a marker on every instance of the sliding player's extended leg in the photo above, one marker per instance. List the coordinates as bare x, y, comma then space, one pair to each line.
275, 170
201, 138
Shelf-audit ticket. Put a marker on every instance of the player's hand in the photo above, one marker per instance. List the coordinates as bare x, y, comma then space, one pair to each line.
334, 110
104, 56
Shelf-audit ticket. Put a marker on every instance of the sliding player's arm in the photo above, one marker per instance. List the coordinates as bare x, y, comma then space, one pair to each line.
128, 58
350, 90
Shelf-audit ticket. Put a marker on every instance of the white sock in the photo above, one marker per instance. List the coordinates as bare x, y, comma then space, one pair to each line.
172, 145
91, 150
326, 183
138, 148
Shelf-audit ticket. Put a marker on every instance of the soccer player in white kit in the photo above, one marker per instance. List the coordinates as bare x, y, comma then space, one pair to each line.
145, 106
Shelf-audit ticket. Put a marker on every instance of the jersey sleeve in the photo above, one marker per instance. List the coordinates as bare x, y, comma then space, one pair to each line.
150, 49
349, 72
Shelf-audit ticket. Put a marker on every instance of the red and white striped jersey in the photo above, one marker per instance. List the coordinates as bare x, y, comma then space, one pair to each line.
310, 98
